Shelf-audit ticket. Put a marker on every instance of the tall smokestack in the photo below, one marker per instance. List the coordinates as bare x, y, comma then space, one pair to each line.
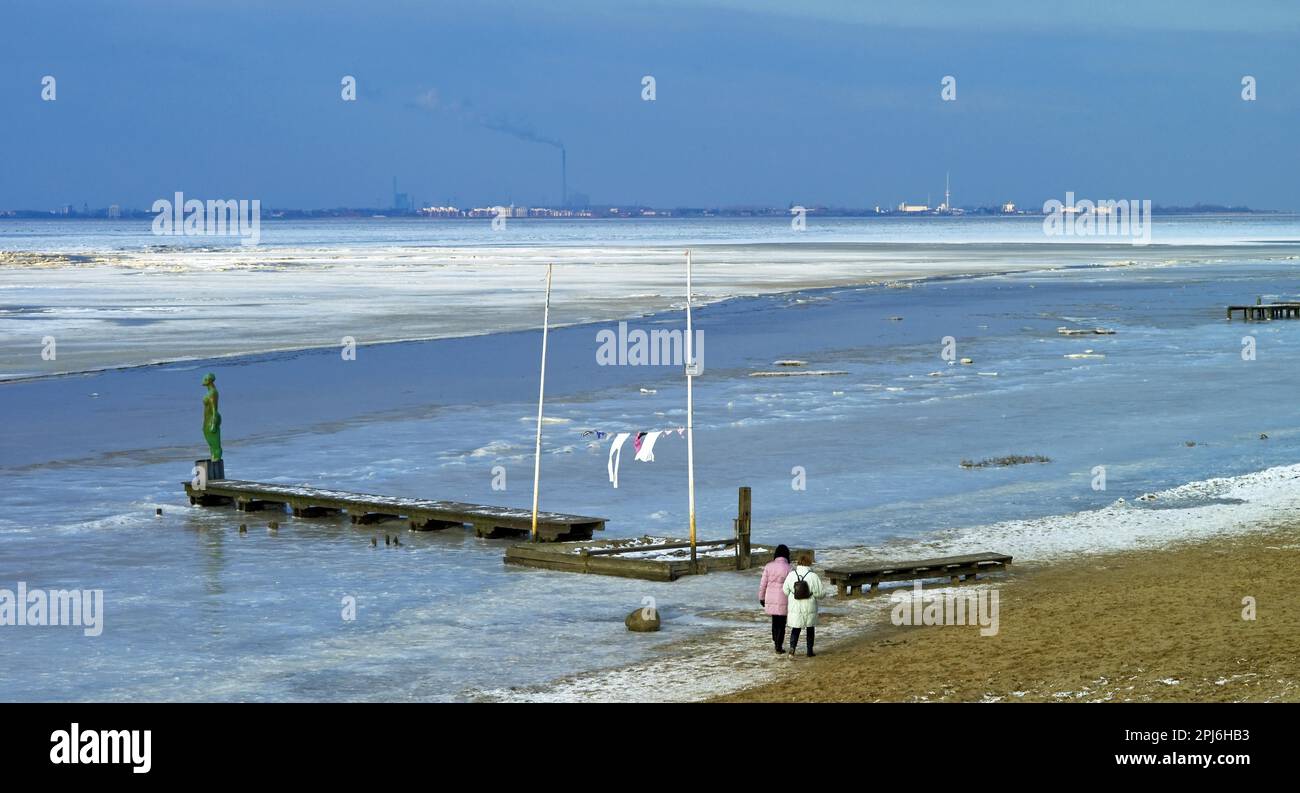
564, 177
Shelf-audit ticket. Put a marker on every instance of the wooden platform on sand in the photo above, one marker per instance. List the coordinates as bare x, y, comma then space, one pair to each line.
955, 568
420, 514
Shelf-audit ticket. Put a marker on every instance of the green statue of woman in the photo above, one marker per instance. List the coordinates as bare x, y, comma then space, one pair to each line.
211, 417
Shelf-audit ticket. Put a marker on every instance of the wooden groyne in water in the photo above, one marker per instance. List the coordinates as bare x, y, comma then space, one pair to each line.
648, 558
565, 541
420, 514
652, 558
1266, 311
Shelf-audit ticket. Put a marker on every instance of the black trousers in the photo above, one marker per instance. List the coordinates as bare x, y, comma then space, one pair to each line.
778, 630
794, 638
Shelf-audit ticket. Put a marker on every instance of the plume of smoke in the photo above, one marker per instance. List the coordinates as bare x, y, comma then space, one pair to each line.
433, 101
521, 131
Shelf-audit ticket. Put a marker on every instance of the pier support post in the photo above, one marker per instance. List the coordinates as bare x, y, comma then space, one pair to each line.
743, 528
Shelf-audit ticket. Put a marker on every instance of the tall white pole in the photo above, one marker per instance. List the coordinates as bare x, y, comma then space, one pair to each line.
541, 396
690, 408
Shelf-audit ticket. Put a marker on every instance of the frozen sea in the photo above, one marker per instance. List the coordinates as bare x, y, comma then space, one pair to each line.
194, 610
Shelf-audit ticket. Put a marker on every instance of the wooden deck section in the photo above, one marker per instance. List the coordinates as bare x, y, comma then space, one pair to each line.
1266, 311
649, 558
955, 568
420, 514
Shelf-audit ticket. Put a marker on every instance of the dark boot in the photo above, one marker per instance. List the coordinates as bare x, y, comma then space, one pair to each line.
794, 640
778, 632
811, 635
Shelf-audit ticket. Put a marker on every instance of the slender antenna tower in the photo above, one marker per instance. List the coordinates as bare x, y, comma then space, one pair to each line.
947, 198
541, 396
690, 409
564, 178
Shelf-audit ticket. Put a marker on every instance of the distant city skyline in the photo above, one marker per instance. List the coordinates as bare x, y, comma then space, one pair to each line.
606, 210
834, 103
403, 203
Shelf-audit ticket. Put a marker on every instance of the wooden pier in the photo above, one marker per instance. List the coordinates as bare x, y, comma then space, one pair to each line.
420, 514
649, 558
653, 558
1266, 311
955, 568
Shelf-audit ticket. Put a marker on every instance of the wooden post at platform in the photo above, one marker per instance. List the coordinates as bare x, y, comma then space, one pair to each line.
743, 530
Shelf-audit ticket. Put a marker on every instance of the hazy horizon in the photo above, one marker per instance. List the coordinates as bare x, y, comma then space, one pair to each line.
1032, 208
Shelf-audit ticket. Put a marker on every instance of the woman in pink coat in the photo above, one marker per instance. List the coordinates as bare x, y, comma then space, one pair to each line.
771, 595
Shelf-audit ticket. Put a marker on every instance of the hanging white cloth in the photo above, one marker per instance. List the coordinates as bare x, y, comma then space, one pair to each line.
616, 454
647, 452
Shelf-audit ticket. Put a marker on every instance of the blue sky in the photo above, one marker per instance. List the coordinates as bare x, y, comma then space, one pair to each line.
758, 102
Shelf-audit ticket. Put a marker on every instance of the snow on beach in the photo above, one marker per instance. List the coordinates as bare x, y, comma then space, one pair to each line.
732, 658
1221, 506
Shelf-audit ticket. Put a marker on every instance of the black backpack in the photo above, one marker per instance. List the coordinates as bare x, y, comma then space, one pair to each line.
801, 589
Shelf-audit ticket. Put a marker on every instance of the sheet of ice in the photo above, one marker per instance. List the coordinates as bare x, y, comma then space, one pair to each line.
124, 299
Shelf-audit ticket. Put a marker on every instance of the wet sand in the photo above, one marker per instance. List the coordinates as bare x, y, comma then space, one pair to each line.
1139, 626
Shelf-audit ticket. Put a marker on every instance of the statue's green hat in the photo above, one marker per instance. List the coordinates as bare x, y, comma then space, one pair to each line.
209, 378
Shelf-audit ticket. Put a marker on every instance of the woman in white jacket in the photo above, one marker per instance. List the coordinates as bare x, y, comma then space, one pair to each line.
803, 610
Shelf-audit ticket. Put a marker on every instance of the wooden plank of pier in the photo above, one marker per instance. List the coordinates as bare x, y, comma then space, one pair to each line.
646, 558
955, 568
666, 546
421, 514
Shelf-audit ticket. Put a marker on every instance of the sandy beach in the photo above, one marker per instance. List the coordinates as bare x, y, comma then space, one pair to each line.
1154, 625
